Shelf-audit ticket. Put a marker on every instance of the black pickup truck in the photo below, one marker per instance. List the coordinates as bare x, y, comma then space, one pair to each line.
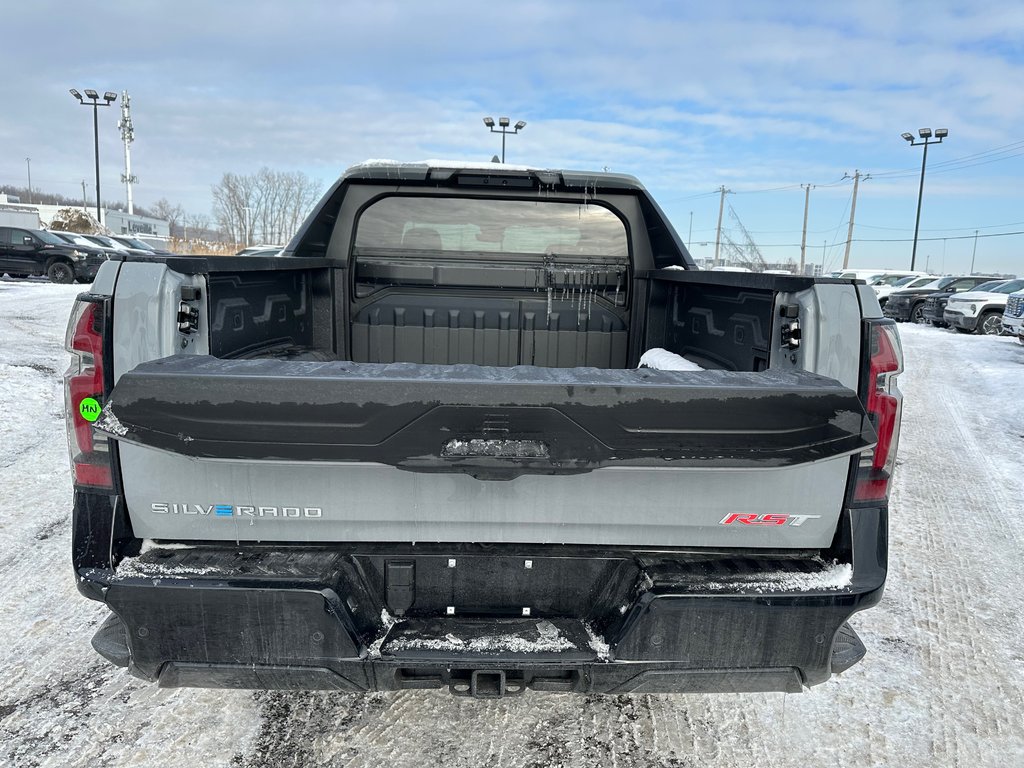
436, 442
25, 252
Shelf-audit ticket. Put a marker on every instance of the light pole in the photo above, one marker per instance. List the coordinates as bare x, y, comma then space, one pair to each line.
248, 214
503, 123
94, 97
925, 135
28, 162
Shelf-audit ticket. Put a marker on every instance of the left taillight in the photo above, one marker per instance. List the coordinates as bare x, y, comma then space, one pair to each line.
85, 390
883, 362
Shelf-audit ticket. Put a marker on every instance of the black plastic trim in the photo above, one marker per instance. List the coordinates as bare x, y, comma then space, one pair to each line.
404, 415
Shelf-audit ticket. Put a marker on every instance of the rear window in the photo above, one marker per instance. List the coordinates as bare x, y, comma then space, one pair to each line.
486, 228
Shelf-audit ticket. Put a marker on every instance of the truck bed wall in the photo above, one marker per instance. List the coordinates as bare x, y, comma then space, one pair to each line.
255, 314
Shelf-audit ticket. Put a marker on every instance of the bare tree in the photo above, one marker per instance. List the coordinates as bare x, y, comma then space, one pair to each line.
267, 206
198, 223
173, 214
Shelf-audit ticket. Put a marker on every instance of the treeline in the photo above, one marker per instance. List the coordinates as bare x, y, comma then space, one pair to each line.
265, 207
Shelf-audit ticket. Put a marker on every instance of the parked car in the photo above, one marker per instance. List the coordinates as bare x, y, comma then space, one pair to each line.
134, 242
870, 276
25, 252
1013, 315
980, 311
109, 242
260, 250
935, 305
81, 242
886, 285
909, 304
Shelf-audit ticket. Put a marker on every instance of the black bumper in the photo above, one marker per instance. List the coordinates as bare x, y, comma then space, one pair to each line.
86, 269
897, 310
626, 621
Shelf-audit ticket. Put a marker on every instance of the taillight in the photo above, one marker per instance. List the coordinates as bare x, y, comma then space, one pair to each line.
85, 390
882, 400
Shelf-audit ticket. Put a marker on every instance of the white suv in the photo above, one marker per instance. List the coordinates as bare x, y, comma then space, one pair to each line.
1013, 315
980, 311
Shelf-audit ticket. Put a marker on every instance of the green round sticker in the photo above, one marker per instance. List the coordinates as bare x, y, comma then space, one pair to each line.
89, 408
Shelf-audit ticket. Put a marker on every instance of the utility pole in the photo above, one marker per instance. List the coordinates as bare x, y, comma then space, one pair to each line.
127, 136
803, 239
718, 234
84, 205
975, 251
28, 162
853, 211
824, 245
689, 238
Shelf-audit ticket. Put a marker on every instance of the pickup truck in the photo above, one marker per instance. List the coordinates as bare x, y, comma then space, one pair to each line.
417, 449
25, 252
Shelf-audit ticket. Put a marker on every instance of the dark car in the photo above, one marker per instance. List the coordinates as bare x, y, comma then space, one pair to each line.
83, 243
25, 252
909, 305
935, 305
134, 242
108, 242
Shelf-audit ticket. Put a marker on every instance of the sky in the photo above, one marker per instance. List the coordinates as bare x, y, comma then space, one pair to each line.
689, 97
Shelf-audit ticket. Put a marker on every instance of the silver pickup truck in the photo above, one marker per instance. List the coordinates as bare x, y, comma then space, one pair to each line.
486, 429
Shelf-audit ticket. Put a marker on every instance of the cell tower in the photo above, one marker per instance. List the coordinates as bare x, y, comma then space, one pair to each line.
127, 136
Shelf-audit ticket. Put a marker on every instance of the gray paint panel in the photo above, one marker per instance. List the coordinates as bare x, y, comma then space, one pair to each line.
369, 502
145, 316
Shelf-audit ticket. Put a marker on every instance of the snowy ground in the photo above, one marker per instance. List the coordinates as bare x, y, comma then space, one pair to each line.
943, 684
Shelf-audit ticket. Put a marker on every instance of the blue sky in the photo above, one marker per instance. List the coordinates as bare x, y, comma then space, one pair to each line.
759, 97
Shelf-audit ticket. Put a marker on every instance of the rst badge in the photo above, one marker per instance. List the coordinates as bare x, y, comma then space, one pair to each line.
740, 518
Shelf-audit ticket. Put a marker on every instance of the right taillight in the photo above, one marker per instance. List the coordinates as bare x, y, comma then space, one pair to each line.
883, 357
85, 390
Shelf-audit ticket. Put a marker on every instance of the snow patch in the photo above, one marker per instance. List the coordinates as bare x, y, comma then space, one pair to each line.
148, 545
662, 360
834, 575
597, 643
446, 164
505, 448
549, 639
133, 567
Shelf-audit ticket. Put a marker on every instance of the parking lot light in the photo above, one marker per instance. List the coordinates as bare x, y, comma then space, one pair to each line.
94, 102
504, 123
926, 139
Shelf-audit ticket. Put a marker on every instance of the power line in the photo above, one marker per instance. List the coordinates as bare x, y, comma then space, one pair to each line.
896, 240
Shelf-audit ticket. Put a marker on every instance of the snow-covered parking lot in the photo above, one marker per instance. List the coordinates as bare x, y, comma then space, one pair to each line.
942, 685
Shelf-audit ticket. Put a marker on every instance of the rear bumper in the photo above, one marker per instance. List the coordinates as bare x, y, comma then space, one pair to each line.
960, 320
624, 621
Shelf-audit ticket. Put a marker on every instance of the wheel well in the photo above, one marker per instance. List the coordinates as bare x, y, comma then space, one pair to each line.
59, 259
